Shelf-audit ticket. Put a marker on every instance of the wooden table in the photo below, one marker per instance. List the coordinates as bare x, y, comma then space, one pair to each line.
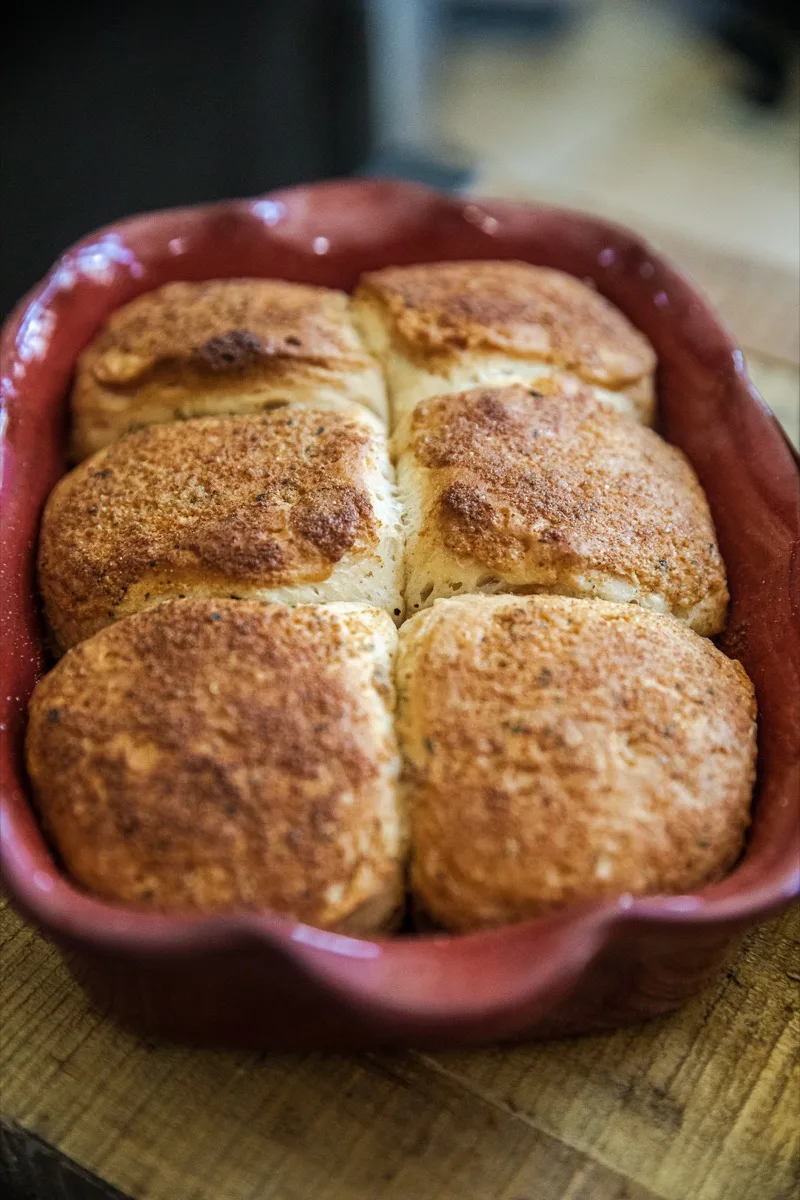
702, 1105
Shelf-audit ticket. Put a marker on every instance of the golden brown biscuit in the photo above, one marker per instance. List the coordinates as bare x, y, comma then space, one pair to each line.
295, 505
444, 327
214, 754
516, 489
229, 346
559, 750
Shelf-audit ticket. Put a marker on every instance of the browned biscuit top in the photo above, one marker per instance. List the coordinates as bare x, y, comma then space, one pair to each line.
207, 753
227, 326
516, 469
277, 498
559, 749
444, 309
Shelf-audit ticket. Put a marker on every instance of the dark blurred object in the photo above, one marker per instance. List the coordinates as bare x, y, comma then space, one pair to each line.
113, 109
404, 41
514, 18
764, 35
449, 172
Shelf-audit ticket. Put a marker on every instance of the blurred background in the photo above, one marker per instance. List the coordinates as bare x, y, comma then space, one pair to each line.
680, 117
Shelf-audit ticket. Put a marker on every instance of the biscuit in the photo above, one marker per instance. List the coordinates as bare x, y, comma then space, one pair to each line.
230, 346
522, 489
560, 750
208, 755
295, 505
446, 327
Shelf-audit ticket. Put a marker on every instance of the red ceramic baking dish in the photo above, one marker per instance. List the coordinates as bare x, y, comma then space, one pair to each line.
260, 980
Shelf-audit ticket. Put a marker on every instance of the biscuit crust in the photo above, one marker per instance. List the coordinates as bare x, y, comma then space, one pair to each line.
294, 505
224, 347
205, 755
463, 323
558, 750
522, 489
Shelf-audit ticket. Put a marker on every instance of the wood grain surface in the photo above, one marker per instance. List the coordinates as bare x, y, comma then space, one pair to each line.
702, 1105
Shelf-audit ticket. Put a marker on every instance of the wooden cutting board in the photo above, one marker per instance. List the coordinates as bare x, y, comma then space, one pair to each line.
702, 1105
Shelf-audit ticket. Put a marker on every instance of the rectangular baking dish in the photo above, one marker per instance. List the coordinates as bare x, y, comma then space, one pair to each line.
259, 980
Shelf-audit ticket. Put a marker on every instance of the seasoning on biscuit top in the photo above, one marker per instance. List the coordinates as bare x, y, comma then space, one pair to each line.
295, 505
224, 347
442, 327
516, 488
217, 754
559, 750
